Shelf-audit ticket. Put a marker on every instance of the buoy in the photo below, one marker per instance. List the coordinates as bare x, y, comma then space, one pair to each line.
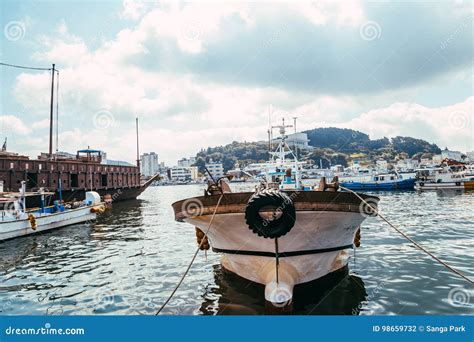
32, 220
201, 237
357, 238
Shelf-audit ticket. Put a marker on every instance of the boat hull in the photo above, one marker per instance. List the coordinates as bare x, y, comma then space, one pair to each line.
22, 227
119, 194
422, 186
374, 186
326, 225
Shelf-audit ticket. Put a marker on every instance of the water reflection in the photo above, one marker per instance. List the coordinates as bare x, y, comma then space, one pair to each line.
338, 293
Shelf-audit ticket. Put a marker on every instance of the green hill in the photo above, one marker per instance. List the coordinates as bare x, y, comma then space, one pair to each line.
331, 146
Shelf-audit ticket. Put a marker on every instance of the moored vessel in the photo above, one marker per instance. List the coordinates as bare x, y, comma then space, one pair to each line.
380, 181
19, 220
74, 175
283, 233
451, 175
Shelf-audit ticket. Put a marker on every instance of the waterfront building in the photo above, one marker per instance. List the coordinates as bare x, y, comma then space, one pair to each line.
298, 140
193, 170
187, 162
180, 174
216, 169
455, 155
149, 164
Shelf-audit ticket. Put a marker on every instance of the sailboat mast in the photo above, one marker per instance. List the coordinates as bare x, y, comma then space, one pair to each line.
138, 148
51, 114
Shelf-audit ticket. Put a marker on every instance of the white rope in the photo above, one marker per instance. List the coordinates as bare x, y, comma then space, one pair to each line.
193, 258
452, 269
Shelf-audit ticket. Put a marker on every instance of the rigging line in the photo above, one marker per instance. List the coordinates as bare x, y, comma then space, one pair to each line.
23, 67
193, 258
452, 269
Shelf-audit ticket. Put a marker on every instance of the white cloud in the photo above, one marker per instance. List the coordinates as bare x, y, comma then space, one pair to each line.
13, 125
133, 9
179, 112
450, 126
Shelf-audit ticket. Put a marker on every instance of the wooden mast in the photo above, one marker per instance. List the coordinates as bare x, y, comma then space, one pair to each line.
51, 114
138, 150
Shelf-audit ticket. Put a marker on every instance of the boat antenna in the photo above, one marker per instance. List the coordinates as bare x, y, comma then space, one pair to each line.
51, 114
270, 129
294, 139
138, 148
269, 140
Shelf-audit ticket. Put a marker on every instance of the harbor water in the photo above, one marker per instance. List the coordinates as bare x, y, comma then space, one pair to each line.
128, 262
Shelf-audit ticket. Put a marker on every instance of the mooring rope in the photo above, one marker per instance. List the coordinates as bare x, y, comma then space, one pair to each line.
452, 269
193, 258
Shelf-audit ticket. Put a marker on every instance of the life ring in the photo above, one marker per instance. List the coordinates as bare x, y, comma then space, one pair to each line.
273, 227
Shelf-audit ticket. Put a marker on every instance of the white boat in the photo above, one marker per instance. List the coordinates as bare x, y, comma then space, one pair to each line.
18, 221
446, 178
281, 235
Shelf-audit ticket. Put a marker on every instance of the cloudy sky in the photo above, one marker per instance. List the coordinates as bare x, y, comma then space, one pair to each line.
202, 74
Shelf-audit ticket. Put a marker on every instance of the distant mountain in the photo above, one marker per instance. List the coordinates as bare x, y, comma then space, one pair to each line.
331, 146
351, 141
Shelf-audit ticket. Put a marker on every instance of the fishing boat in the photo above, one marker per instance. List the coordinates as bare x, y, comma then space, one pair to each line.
18, 221
382, 181
282, 234
445, 180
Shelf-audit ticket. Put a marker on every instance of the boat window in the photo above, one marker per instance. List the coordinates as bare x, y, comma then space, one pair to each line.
74, 181
376, 178
392, 178
31, 180
382, 178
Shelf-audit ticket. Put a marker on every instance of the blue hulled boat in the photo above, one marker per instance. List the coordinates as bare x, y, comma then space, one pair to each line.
378, 182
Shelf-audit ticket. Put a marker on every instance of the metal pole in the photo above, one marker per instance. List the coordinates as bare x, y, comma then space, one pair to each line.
51, 114
138, 150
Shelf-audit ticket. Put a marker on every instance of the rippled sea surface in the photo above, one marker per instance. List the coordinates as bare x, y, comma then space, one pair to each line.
128, 262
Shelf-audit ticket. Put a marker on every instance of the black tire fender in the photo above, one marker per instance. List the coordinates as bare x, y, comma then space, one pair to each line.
270, 228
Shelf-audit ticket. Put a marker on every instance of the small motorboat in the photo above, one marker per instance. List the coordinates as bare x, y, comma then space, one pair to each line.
283, 233
18, 221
